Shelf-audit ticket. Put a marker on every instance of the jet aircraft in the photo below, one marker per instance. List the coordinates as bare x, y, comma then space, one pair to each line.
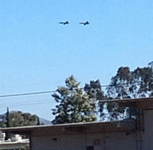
85, 23
64, 22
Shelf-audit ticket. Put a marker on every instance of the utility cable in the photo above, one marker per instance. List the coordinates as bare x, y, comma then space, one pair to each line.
27, 103
26, 94
46, 92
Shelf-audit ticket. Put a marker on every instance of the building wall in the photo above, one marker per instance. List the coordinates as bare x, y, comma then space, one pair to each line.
121, 141
62, 142
100, 141
147, 135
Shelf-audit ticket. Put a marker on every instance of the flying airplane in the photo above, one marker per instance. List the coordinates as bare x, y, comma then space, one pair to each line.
85, 23
64, 22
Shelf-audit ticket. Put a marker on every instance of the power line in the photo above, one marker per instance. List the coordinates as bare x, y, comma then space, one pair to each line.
27, 94
25, 103
46, 92
37, 93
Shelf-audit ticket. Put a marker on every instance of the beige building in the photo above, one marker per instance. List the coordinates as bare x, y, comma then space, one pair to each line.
128, 134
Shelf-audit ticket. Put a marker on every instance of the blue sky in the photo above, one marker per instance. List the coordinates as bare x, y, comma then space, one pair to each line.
38, 54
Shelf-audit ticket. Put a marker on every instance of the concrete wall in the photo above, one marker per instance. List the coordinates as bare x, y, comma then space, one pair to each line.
120, 141
147, 135
100, 141
63, 142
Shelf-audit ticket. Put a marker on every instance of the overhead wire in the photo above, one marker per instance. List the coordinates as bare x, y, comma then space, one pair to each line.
26, 94
37, 93
47, 92
26, 103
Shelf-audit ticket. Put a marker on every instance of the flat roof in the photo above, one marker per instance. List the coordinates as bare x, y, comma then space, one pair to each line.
115, 126
128, 100
143, 103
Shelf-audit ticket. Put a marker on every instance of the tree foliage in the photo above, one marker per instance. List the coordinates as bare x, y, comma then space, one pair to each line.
95, 92
131, 84
18, 119
74, 105
127, 84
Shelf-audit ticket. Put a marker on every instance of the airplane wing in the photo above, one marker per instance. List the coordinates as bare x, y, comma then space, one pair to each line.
86, 22
64, 23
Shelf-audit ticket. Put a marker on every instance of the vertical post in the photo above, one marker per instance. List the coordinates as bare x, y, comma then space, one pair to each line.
139, 129
38, 121
7, 124
30, 142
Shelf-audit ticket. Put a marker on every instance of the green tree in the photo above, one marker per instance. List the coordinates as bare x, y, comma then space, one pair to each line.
95, 92
128, 84
74, 105
18, 119
131, 84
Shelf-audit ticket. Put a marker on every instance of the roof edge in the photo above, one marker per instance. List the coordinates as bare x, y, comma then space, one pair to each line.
125, 100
